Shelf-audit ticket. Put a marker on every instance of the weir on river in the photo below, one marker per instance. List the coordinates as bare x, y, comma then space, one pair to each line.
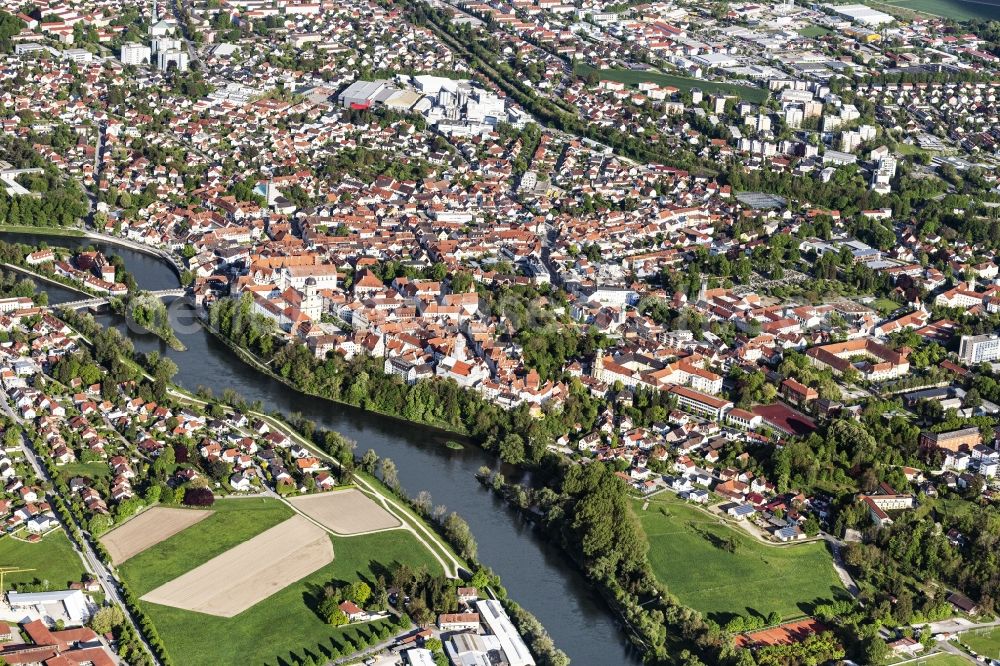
536, 574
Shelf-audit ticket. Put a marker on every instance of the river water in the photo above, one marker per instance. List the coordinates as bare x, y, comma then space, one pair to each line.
535, 573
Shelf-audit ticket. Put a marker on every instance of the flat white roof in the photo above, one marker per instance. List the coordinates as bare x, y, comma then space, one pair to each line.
862, 13
73, 601
510, 641
419, 657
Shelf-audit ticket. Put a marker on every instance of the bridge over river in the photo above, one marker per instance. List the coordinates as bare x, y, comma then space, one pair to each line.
97, 301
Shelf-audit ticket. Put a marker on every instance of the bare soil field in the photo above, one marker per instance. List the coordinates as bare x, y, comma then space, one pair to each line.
148, 529
346, 512
243, 576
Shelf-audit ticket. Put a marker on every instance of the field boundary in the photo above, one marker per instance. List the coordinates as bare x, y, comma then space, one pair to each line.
343, 511
157, 513
249, 573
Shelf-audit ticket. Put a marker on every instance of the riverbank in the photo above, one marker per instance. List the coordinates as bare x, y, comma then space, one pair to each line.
151, 315
42, 231
71, 232
441, 537
68, 284
533, 570
166, 256
258, 364
608, 593
589, 515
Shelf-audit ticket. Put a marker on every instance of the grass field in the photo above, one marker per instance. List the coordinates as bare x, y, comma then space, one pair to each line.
93, 470
633, 77
987, 643
53, 559
885, 306
960, 10
286, 621
44, 231
756, 578
942, 659
815, 31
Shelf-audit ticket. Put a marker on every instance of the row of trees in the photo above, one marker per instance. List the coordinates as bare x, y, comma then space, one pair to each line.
429, 593
483, 53
361, 381
587, 510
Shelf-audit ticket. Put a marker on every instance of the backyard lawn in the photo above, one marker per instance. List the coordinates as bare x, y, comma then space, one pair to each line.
633, 77
720, 571
93, 470
53, 559
942, 659
288, 623
885, 306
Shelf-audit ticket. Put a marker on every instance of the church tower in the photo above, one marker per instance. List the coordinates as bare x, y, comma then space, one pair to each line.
312, 302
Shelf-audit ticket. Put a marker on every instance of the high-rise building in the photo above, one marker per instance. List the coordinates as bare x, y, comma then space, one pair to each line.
178, 57
135, 54
979, 348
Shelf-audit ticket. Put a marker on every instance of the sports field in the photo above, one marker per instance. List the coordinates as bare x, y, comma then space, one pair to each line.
346, 511
53, 559
942, 659
288, 623
960, 10
721, 571
633, 77
148, 529
986, 643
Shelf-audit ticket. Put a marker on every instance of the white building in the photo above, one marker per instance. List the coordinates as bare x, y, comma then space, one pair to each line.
360, 93
178, 57
166, 44
419, 657
979, 348
71, 606
884, 172
861, 14
78, 55
324, 276
135, 54
162, 28
511, 643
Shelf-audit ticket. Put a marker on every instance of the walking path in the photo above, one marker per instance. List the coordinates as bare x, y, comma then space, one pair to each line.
424, 534
449, 563
751, 530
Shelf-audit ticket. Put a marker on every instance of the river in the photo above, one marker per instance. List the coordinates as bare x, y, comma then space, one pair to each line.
535, 572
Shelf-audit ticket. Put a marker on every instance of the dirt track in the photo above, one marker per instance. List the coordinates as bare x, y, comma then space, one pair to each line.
148, 529
245, 575
345, 512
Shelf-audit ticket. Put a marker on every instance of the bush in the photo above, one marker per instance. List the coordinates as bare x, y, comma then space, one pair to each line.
198, 497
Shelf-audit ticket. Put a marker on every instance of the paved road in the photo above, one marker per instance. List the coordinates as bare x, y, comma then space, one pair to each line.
955, 650
955, 625
92, 562
838, 565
